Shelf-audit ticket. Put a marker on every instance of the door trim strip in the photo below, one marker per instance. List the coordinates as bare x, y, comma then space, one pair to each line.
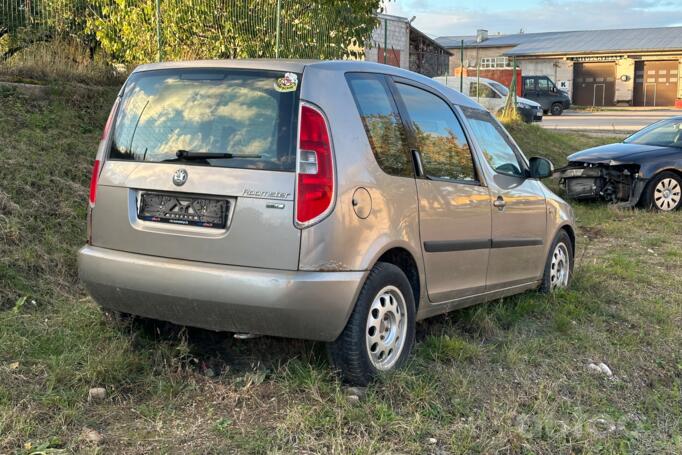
511, 243
444, 246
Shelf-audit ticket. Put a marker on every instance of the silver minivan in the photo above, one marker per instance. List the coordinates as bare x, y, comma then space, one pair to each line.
334, 201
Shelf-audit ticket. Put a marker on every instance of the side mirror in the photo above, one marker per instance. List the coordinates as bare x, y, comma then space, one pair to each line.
553, 89
540, 168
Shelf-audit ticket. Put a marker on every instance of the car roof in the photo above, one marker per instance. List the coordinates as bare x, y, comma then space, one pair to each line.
298, 66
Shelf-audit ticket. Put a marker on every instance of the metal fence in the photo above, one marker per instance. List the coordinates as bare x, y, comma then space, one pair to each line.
131, 31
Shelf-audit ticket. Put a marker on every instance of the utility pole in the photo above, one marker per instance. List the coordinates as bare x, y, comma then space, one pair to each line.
385, 40
478, 75
279, 15
461, 67
159, 41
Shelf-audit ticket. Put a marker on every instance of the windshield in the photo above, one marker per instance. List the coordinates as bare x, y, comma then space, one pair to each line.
237, 118
666, 133
501, 89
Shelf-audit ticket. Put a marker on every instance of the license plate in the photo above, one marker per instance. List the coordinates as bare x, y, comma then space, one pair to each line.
184, 210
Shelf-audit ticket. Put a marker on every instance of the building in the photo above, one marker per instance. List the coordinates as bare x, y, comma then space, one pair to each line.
396, 42
631, 67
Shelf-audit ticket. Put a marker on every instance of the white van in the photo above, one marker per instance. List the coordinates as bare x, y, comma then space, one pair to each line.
492, 95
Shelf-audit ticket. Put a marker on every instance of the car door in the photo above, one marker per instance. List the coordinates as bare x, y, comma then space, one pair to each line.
484, 95
519, 214
529, 90
454, 205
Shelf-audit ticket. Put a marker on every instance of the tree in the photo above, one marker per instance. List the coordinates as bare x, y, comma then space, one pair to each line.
191, 29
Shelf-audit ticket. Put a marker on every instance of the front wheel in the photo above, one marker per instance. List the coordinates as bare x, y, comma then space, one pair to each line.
559, 265
664, 192
557, 109
380, 332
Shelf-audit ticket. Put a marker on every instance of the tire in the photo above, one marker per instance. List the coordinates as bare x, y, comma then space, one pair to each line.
385, 291
556, 109
663, 193
559, 265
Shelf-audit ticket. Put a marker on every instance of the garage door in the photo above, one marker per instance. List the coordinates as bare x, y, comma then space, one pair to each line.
594, 84
656, 83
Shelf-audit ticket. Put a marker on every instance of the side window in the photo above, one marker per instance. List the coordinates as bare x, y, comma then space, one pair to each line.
442, 144
382, 122
496, 146
529, 83
544, 85
484, 91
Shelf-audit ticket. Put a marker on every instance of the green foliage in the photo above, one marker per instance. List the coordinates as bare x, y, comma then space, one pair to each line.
192, 29
217, 29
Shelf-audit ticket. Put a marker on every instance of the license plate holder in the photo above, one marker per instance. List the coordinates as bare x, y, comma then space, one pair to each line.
183, 210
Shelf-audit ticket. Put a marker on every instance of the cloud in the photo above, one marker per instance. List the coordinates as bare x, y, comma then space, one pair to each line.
443, 17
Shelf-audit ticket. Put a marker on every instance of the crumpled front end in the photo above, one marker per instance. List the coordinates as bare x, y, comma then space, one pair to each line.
618, 183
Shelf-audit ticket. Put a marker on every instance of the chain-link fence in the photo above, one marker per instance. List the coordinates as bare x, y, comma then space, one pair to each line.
134, 31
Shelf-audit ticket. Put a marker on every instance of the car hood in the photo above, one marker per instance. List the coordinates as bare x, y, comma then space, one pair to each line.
527, 101
621, 153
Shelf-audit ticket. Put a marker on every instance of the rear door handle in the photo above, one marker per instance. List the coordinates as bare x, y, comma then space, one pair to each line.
500, 203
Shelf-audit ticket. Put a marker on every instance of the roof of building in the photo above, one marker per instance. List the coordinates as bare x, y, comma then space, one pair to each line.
416, 32
577, 42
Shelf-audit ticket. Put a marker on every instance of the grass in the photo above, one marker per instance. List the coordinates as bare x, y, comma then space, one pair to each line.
506, 377
61, 59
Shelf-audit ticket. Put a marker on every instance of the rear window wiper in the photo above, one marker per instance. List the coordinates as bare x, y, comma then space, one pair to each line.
185, 155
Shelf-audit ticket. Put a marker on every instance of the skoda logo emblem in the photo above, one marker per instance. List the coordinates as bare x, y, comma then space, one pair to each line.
180, 177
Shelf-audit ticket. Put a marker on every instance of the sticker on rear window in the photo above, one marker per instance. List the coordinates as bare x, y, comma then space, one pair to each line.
288, 83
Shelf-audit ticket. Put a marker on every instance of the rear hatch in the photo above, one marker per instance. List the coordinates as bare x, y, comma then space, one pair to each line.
200, 165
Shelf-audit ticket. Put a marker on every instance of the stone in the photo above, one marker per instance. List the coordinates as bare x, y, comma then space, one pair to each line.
360, 392
353, 399
91, 436
605, 369
97, 394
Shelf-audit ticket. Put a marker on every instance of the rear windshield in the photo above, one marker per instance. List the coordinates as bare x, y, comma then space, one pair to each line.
248, 115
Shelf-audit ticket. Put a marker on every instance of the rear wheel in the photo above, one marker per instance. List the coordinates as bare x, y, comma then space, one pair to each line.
557, 109
559, 265
664, 192
380, 332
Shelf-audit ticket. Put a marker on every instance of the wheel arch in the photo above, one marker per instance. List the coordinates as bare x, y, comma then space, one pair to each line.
651, 174
571, 234
405, 261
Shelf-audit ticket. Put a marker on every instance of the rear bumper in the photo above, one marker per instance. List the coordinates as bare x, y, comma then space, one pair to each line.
307, 305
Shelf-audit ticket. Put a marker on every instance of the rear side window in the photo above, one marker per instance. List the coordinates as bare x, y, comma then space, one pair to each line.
382, 122
442, 144
249, 115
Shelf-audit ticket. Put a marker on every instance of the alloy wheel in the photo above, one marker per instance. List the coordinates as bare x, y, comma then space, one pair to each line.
386, 328
667, 194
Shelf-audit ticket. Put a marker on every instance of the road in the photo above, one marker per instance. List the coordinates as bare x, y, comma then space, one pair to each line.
616, 121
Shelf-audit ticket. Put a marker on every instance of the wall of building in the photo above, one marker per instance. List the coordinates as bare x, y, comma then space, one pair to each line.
470, 56
558, 70
397, 38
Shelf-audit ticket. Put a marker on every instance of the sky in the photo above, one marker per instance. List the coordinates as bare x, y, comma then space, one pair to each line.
458, 17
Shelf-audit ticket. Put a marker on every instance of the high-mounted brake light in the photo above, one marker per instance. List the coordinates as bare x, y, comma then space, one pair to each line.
315, 185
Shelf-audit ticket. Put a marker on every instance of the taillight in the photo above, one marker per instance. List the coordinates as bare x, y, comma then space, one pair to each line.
315, 186
93, 182
97, 166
